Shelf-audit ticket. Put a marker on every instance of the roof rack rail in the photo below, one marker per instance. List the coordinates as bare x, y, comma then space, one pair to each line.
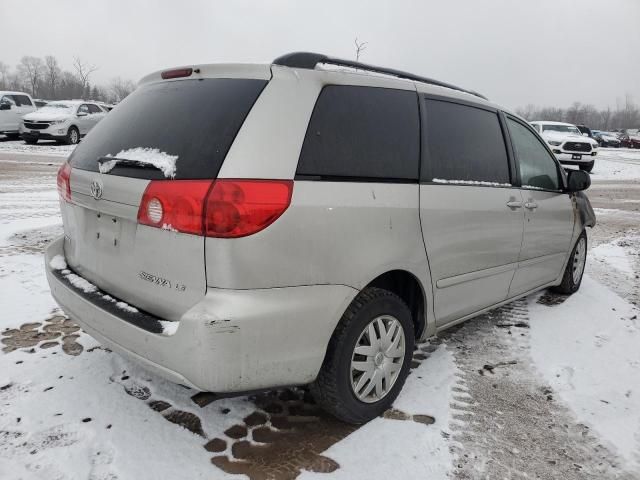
309, 60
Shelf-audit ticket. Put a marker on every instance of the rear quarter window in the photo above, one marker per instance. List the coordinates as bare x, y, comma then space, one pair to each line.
197, 120
362, 133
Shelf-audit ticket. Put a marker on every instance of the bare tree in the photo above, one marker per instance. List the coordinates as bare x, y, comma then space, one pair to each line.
52, 75
120, 88
31, 68
4, 74
360, 47
84, 71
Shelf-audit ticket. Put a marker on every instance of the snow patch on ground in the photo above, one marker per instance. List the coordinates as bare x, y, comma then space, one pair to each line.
614, 255
144, 156
42, 148
587, 349
616, 164
403, 449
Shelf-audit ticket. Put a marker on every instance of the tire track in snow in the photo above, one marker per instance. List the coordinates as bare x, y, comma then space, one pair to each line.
506, 421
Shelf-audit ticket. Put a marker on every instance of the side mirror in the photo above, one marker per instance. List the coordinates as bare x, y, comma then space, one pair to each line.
577, 180
5, 106
81, 114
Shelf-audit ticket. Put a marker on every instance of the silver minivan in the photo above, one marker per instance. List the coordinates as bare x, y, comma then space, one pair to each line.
238, 227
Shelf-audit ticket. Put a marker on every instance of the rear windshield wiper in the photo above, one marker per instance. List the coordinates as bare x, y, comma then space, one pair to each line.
106, 164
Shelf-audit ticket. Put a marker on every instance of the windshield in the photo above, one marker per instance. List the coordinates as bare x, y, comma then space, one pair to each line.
561, 128
56, 108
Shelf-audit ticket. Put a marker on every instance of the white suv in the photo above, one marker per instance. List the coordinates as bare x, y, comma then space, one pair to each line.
13, 105
244, 227
569, 145
65, 121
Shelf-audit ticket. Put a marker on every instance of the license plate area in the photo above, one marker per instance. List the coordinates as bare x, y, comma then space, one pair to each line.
106, 230
576, 157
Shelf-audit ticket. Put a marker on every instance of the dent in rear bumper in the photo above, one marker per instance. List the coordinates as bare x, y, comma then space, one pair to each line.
231, 341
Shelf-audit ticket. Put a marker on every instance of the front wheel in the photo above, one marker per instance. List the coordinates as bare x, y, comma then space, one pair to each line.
574, 270
30, 141
368, 357
73, 136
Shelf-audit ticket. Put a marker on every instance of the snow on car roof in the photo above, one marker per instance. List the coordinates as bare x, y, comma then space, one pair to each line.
544, 122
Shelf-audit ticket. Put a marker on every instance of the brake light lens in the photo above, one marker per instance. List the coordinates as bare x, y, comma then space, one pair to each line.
177, 73
64, 182
174, 205
220, 208
238, 208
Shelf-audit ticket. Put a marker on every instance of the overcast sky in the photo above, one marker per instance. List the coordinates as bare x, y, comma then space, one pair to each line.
545, 52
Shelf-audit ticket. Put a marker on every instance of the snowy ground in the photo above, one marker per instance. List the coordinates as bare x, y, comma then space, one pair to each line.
547, 387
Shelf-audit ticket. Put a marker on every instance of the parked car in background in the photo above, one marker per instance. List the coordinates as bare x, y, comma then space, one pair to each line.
606, 139
40, 103
568, 143
245, 227
629, 141
64, 121
13, 105
107, 107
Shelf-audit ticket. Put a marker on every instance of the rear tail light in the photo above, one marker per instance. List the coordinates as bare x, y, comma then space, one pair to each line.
176, 205
219, 208
237, 208
64, 182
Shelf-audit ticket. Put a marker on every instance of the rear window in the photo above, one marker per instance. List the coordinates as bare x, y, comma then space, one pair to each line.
362, 133
195, 120
464, 144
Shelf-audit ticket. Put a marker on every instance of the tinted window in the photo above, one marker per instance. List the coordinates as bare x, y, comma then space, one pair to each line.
363, 132
94, 109
464, 143
22, 100
196, 120
7, 99
537, 168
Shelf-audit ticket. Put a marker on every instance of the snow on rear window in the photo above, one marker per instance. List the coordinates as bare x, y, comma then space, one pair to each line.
144, 156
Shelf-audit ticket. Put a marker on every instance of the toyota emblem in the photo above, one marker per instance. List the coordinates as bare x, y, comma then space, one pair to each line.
96, 189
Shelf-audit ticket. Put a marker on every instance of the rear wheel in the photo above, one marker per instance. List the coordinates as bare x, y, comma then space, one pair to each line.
572, 277
73, 136
587, 167
368, 357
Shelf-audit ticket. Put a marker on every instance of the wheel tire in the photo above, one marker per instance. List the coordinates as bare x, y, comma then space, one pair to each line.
587, 167
577, 260
333, 389
73, 136
30, 141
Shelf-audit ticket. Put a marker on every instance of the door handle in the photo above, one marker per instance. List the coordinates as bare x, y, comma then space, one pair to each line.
531, 205
513, 204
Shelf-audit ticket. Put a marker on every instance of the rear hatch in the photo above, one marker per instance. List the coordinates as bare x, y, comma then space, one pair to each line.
185, 127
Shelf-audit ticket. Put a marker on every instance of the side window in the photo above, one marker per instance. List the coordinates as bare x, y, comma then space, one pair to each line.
362, 132
94, 108
22, 101
465, 144
537, 168
84, 108
8, 99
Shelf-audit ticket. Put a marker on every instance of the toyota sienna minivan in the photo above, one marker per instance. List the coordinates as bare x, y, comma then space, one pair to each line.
236, 228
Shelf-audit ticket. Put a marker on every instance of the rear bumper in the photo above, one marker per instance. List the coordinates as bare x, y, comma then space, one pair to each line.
231, 341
